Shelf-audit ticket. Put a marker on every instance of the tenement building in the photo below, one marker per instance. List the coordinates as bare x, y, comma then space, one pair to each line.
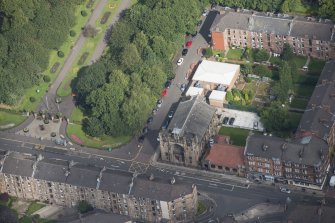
187, 136
304, 159
64, 183
307, 36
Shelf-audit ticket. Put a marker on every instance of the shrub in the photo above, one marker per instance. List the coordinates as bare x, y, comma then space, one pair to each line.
32, 99
84, 207
209, 52
60, 54
46, 78
72, 33
83, 13
261, 55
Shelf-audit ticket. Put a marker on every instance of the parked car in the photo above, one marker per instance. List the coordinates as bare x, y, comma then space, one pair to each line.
159, 103
141, 139
170, 115
168, 84
182, 88
165, 124
231, 121
154, 111
164, 93
189, 44
285, 190
180, 61
145, 130
184, 52
205, 13
225, 120
150, 119
255, 125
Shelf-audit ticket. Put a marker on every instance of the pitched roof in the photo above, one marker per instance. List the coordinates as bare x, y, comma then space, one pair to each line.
276, 24
320, 112
225, 155
216, 72
192, 116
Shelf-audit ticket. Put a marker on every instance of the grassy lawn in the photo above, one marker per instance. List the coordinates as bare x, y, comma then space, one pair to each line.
53, 58
299, 60
315, 67
237, 136
201, 208
89, 47
305, 79
33, 207
234, 54
10, 118
75, 130
299, 103
303, 90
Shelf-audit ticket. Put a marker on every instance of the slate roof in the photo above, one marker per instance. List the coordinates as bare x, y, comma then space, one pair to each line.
81, 175
320, 112
192, 116
282, 25
278, 148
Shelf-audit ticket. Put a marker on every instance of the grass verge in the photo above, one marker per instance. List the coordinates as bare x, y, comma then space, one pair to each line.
89, 47
75, 131
237, 136
234, 54
33, 207
201, 208
299, 103
7, 118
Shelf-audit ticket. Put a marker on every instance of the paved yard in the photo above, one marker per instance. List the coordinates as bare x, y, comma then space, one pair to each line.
243, 119
36, 132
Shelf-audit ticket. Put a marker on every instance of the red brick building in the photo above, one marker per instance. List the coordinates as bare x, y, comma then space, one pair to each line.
307, 36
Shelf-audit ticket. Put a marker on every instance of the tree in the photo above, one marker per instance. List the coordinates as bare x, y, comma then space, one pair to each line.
93, 127
285, 85
130, 58
275, 117
209, 52
246, 69
84, 207
262, 71
287, 53
229, 96
261, 55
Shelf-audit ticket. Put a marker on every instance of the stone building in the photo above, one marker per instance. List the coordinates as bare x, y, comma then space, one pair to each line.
66, 183
307, 36
304, 159
187, 136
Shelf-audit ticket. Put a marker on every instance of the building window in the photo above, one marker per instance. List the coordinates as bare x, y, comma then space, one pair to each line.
260, 170
220, 167
212, 166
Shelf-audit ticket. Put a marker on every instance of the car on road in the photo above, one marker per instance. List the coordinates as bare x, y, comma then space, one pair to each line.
141, 139
168, 84
159, 103
170, 115
184, 52
180, 61
225, 120
164, 93
205, 13
285, 190
189, 44
182, 88
154, 111
145, 130
231, 121
166, 124
150, 119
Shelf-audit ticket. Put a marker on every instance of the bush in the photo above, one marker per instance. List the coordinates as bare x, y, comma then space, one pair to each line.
72, 33
209, 52
263, 71
93, 127
32, 99
84, 207
261, 55
46, 78
60, 54
83, 13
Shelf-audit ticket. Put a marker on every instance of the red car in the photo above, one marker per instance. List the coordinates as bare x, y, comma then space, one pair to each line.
189, 44
164, 93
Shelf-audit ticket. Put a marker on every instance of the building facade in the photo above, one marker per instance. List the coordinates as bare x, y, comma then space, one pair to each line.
66, 183
307, 36
187, 136
304, 159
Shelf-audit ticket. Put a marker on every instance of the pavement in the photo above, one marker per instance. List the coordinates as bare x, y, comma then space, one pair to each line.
259, 211
49, 211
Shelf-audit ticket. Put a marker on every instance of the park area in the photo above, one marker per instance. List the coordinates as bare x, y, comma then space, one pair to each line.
77, 135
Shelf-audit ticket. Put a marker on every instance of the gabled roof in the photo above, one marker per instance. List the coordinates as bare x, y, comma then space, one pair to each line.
192, 116
216, 72
275, 24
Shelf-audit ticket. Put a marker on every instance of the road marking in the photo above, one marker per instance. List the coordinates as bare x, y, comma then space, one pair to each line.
213, 184
138, 167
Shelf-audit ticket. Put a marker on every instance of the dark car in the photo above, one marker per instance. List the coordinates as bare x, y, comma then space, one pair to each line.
225, 120
170, 115
145, 130
168, 84
165, 124
184, 52
150, 119
141, 139
231, 121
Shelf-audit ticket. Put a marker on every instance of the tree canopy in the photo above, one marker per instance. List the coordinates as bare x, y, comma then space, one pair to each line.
121, 90
28, 31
